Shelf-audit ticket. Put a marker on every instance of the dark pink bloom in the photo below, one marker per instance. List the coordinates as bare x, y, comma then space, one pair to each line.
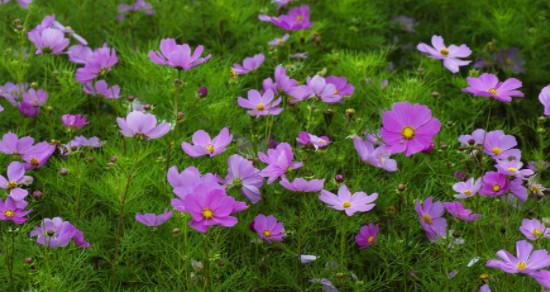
367, 235
302, 185
12, 145
348, 202
187, 181
204, 145
142, 125
260, 104
533, 229
242, 174
178, 56
268, 228
458, 211
249, 64
451, 55
377, 157
97, 64
526, 262
10, 212
153, 220
15, 176
494, 184
488, 85
305, 139
544, 98
55, 233
431, 218
296, 19
279, 161
74, 121
100, 87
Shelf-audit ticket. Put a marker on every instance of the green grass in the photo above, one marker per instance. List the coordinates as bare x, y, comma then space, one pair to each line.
356, 39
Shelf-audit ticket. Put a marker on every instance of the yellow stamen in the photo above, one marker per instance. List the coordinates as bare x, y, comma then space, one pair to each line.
35, 161
512, 169
537, 232
210, 148
444, 51
9, 213
299, 18
260, 107
492, 91
12, 184
346, 204
267, 233
207, 213
496, 188
522, 266
467, 192
407, 133
427, 218
370, 239
496, 150
534, 188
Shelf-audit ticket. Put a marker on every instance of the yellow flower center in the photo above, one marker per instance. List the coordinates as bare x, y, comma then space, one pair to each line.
508, 61
427, 218
522, 266
444, 51
346, 204
496, 188
299, 18
267, 233
279, 40
35, 161
210, 148
370, 239
12, 184
537, 232
207, 213
534, 188
407, 133
467, 192
484, 276
337, 91
492, 91
496, 150
512, 169
260, 107
9, 213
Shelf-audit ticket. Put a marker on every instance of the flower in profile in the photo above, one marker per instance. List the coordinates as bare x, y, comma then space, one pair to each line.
153, 220
32, 101
467, 189
97, 64
74, 122
302, 185
348, 202
452, 56
526, 262
249, 64
305, 139
510, 60
49, 40
367, 235
142, 126
178, 56
431, 218
408, 128
543, 277
56, 232
279, 161
488, 85
297, 18
100, 87
204, 145
544, 98
37, 155
15, 176
476, 138
458, 211
533, 229
77, 143
10, 212
377, 157
268, 228
139, 5
242, 174
279, 41
497, 144
187, 181
260, 104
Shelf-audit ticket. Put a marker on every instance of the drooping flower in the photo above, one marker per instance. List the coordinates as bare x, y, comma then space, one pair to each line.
37, 155
279, 41
48, 40
10, 212
268, 228
74, 122
297, 18
347, 202
242, 173
497, 144
56, 232
431, 218
467, 189
452, 56
408, 128
100, 87
16, 176
178, 56
476, 138
187, 181
377, 157
533, 229
261, 104
458, 211
153, 220
279, 161
12, 145
139, 5
488, 85
97, 64
302, 185
305, 139
526, 262
142, 125
367, 235
249, 64
203, 145
544, 98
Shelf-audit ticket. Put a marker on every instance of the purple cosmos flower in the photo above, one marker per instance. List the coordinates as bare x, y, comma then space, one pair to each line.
485, 288
282, 80
458, 211
467, 189
268, 228
431, 218
497, 144
526, 262
178, 56
488, 85
302, 92
249, 64
12, 145
97, 64
48, 40
23, 3
296, 19
142, 125
408, 128
242, 173
544, 98
77, 143
533, 229
55, 233
377, 157
16, 176
79, 54
279, 161
543, 277
305, 139
209, 207
476, 138
32, 101
345, 201
451, 55
260, 105
324, 90
279, 41
74, 122
100, 87
139, 5
10, 212
343, 88
513, 168
187, 181
50, 22
302, 185
153, 220
203, 145
406, 23
367, 236
18, 196
12, 92
510, 60
37, 155
494, 184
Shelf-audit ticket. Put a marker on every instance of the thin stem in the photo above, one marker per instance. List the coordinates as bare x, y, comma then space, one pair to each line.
268, 130
120, 222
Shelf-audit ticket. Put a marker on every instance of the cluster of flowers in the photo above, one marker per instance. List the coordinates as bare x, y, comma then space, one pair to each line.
27, 100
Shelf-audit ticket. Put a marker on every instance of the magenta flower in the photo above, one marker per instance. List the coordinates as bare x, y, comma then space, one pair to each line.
497, 144
260, 105
97, 64
74, 122
467, 189
533, 229
279, 161
367, 236
488, 85
431, 218
377, 157
408, 128
55, 233
242, 173
100, 87
187, 181
458, 211
544, 98
451, 55
526, 262
12, 145
142, 125
16, 176
476, 138
513, 168
347, 202
279, 41
153, 220
296, 19
178, 56
543, 277
305, 139
37, 155
10, 212
249, 64
203, 145
302, 185
343, 88
268, 228
48, 40
494, 184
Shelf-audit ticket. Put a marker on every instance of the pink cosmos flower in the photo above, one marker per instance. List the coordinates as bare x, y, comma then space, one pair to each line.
296, 19
377, 157
347, 202
543, 277
367, 236
533, 229
467, 189
431, 218
302, 185
282, 80
56, 232
268, 228
526, 262
279, 161
203, 145
458, 211
178, 56
79, 54
494, 184
476, 138
249, 64
303, 92
279, 41
488, 85
142, 125
343, 88
97, 64
16, 176
48, 40
50, 22
187, 181
451, 55
31, 102
139, 5
324, 90
12, 145
242, 173
100, 87
513, 168
74, 122
10, 212
497, 144
153, 220
37, 155
408, 128
18, 196
260, 104
305, 139
544, 98
78, 142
